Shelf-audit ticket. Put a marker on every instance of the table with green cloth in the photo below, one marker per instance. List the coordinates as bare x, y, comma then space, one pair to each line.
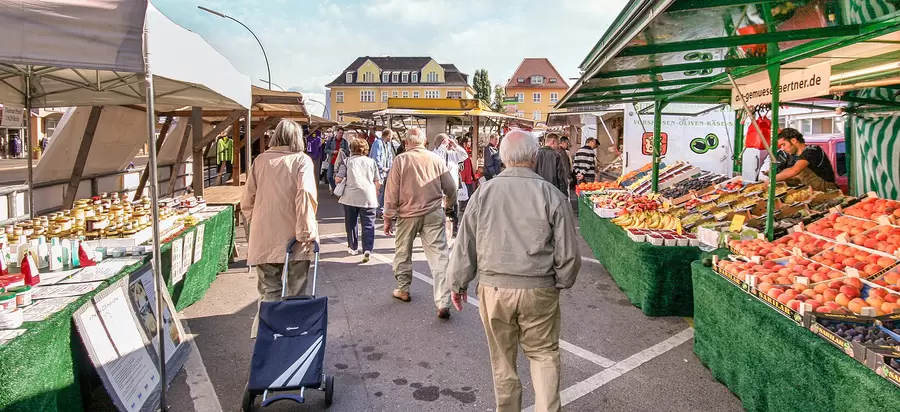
46, 368
656, 279
773, 364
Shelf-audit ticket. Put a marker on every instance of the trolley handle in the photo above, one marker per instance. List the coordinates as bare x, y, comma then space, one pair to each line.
287, 260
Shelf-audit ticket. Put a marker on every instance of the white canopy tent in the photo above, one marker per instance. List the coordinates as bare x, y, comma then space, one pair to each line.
58, 53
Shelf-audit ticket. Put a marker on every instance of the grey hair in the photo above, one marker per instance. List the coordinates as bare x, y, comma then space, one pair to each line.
288, 133
439, 139
415, 136
518, 148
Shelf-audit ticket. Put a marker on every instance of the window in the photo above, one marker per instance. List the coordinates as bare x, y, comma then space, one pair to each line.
349, 77
554, 97
339, 97
552, 80
395, 77
536, 97
50, 126
405, 93
520, 97
454, 95
536, 115
840, 158
520, 113
384, 96
415, 77
537, 79
405, 77
432, 94
416, 94
367, 96
340, 115
368, 77
385, 77
395, 94
520, 80
432, 78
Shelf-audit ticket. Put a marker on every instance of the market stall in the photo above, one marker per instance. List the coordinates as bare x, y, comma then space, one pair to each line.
45, 65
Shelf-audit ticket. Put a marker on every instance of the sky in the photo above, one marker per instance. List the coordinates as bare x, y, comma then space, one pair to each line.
309, 43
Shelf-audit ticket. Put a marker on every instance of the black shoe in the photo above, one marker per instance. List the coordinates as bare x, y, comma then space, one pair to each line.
444, 313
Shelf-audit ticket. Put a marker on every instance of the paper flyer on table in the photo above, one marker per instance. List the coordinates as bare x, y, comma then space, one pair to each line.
61, 291
132, 375
53, 278
103, 271
10, 334
43, 309
188, 250
198, 243
177, 254
143, 295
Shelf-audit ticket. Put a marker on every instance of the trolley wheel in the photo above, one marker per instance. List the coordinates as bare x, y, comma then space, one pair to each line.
247, 402
329, 389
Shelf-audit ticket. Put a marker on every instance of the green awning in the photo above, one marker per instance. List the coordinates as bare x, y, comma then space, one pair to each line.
682, 50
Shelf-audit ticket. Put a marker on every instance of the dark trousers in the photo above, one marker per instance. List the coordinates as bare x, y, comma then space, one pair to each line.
352, 215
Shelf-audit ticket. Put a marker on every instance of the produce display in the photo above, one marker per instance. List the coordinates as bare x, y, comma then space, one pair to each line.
647, 220
684, 187
884, 238
596, 186
872, 208
758, 248
625, 201
804, 242
835, 225
870, 335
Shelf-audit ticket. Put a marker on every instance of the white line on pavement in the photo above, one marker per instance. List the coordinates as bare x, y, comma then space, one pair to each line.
199, 384
575, 350
591, 384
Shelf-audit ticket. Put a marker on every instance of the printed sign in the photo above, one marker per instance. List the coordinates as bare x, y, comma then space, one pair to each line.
647, 144
13, 117
811, 82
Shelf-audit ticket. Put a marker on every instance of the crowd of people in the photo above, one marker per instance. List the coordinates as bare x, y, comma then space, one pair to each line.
416, 184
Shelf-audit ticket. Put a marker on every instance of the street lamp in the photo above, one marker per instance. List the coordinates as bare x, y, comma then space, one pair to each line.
316, 101
225, 16
272, 84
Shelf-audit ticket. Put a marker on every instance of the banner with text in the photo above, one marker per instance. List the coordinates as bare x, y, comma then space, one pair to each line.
13, 117
811, 82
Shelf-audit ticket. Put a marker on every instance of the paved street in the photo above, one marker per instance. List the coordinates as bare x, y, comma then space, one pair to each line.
393, 356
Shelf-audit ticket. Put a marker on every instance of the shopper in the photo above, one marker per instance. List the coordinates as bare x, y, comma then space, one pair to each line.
549, 164
414, 194
492, 157
446, 148
279, 203
467, 181
315, 150
563, 151
383, 155
224, 154
585, 162
520, 277
362, 183
336, 149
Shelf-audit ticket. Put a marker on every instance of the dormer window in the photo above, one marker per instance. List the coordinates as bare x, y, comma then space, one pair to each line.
349, 77
537, 79
415, 77
552, 80
395, 77
405, 77
521, 80
385, 77
432, 77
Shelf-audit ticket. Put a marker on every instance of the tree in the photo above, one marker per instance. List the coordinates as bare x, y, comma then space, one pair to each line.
499, 94
482, 85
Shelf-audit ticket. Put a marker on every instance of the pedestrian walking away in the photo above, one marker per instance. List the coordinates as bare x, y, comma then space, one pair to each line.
361, 181
585, 162
446, 148
383, 155
414, 195
279, 203
550, 165
521, 276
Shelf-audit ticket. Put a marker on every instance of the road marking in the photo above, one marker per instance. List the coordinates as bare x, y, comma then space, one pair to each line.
201, 389
564, 345
593, 383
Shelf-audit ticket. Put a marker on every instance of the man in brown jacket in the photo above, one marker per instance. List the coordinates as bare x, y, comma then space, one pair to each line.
415, 194
520, 276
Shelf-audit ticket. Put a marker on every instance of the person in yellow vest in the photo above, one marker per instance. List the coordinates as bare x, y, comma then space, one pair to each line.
224, 154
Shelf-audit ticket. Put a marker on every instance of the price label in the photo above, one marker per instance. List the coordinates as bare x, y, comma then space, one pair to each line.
884, 220
843, 239
737, 223
852, 272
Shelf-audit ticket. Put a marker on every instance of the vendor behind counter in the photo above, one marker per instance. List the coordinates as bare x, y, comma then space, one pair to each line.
808, 164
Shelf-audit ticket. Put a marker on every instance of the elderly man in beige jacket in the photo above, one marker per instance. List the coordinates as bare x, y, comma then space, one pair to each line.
520, 275
279, 202
415, 194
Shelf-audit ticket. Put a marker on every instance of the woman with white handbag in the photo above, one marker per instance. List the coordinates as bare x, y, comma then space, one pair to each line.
357, 186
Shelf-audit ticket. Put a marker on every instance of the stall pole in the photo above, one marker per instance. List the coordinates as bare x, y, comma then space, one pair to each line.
850, 137
236, 153
29, 147
198, 173
475, 139
738, 144
657, 139
248, 146
154, 208
775, 79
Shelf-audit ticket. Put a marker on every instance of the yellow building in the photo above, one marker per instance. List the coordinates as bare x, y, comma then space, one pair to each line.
369, 82
537, 86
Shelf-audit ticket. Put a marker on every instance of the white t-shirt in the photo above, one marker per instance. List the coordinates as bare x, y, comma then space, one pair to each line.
452, 157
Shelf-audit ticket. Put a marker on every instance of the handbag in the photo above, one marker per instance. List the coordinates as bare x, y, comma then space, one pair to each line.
339, 188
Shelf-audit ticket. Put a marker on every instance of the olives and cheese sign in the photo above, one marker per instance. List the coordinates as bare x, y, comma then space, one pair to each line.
702, 145
647, 144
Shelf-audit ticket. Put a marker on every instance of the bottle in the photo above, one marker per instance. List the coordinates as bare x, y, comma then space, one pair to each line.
21, 248
56, 255
66, 246
43, 253
76, 261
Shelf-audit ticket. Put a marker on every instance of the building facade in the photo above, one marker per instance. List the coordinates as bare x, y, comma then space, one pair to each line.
368, 83
537, 87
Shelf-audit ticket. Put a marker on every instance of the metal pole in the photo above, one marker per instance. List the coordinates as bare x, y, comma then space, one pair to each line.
29, 146
738, 159
223, 15
154, 207
657, 138
248, 147
775, 80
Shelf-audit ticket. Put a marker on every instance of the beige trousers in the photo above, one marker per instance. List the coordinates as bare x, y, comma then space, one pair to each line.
432, 229
528, 318
269, 284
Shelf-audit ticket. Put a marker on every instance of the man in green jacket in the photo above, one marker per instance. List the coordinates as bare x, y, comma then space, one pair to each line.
224, 154
520, 276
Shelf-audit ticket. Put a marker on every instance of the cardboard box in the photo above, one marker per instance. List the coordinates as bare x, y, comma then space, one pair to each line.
886, 364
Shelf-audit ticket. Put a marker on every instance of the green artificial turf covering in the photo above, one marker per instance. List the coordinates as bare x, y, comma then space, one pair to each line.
773, 364
42, 370
656, 279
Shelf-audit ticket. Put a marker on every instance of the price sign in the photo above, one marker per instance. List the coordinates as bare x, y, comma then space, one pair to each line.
737, 223
13, 117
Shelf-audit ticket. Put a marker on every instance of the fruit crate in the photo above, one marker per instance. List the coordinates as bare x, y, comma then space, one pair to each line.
724, 269
834, 330
883, 238
860, 260
872, 207
885, 364
836, 224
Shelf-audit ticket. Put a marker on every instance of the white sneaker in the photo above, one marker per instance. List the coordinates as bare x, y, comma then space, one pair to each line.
352, 252
366, 256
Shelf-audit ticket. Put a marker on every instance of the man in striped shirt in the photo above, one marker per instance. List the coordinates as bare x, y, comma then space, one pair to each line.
585, 162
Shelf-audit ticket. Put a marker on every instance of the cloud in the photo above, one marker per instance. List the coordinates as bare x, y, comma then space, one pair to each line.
310, 43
